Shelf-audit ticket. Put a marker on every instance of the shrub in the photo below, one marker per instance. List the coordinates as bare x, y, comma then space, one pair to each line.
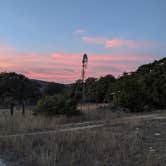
56, 105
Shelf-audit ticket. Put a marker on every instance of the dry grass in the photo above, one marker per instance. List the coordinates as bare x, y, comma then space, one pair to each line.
18, 123
127, 145
120, 143
92, 107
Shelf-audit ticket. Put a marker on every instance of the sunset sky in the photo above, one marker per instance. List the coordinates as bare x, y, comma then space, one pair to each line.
45, 39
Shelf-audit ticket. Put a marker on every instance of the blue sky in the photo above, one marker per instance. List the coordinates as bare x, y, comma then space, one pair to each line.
63, 26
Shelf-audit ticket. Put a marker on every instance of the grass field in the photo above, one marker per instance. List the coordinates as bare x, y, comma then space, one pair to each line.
28, 122
124, 140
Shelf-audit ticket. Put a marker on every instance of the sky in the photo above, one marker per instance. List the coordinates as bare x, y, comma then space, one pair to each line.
45, 39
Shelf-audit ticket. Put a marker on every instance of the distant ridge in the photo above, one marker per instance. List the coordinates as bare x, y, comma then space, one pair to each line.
43, 84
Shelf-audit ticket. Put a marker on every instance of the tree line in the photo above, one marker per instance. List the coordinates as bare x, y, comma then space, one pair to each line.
140, 90
17, 88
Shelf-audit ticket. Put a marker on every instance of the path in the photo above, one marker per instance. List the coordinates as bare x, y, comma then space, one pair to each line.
88, 125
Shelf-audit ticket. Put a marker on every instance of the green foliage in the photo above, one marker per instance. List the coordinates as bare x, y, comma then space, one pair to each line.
76, 90
90, 90
129, 93
104, 85
154, 78
17, 87
59, 104
143, 89
136, 91
54, 88
96, 90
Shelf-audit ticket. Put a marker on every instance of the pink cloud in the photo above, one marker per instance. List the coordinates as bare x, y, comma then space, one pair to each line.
66, 67
117, 42
128, 43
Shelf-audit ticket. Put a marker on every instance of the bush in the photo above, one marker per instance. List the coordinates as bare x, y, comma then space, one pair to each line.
56, 105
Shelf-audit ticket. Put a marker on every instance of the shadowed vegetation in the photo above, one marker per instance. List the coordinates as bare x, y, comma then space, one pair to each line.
141, 90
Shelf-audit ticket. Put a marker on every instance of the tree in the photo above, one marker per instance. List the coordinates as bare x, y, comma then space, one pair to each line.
154, 78
54, 88
17, 87
103, 84
129, 93
143, 88
90, 89
76, 90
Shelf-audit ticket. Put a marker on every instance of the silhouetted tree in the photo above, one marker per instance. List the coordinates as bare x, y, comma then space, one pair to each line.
103, 84
17, 87
54, 88
90, 89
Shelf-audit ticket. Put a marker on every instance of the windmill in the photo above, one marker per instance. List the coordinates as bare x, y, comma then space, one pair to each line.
84, 67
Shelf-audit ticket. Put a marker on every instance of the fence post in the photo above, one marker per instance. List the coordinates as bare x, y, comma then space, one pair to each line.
11, 109
23, 108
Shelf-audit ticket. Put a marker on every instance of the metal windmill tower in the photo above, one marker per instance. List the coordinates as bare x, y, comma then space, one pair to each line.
84, 67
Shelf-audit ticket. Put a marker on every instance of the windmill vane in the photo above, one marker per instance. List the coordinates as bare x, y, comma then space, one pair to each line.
85, 58
84, 66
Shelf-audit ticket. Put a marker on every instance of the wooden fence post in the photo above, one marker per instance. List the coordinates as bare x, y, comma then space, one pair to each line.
11, 109
23, 108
